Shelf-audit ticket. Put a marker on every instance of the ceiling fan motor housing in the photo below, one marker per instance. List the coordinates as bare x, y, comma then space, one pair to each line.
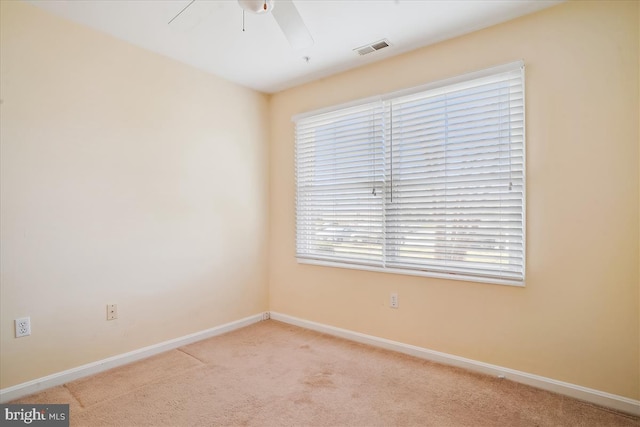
256, 6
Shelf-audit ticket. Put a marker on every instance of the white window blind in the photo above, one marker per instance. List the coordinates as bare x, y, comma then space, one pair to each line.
340, 165
431, 182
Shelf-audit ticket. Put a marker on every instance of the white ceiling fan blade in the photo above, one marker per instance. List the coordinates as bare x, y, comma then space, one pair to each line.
180, 12
291, 23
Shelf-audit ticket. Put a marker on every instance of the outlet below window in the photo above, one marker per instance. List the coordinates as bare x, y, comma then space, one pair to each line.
393, 300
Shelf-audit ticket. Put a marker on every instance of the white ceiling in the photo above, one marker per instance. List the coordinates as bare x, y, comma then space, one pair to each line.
209, 36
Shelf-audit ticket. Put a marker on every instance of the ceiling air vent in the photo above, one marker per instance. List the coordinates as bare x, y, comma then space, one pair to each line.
363, 50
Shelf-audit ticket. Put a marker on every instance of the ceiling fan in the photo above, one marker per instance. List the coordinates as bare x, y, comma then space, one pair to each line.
284, 12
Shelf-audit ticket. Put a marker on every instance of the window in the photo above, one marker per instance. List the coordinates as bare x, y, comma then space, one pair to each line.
428, 182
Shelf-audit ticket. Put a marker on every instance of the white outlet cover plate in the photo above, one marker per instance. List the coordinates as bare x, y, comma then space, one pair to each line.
23, 327
393, 300
112, 311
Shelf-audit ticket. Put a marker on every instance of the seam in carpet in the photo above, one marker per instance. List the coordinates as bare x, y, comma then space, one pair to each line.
191, 355
131, 390
73, 395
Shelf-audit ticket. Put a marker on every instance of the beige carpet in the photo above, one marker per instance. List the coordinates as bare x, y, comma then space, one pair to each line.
273, 374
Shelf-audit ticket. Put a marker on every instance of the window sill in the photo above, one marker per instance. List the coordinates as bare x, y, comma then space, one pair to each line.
449, 276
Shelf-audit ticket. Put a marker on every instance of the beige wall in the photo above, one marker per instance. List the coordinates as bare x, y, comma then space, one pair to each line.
126, 178
577, 318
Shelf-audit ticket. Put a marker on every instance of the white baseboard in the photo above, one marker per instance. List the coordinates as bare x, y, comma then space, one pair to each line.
597, 397
20, 390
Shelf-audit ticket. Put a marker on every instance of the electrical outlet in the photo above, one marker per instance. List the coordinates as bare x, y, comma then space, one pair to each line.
112, 311
23, 327
393, 300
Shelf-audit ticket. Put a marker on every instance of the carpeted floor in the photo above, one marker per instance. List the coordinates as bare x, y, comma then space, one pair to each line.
274, 374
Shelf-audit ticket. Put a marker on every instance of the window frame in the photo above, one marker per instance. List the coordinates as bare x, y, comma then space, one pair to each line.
388, 98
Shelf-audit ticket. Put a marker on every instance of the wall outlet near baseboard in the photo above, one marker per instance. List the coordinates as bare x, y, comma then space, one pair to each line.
23, 327
112, 311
